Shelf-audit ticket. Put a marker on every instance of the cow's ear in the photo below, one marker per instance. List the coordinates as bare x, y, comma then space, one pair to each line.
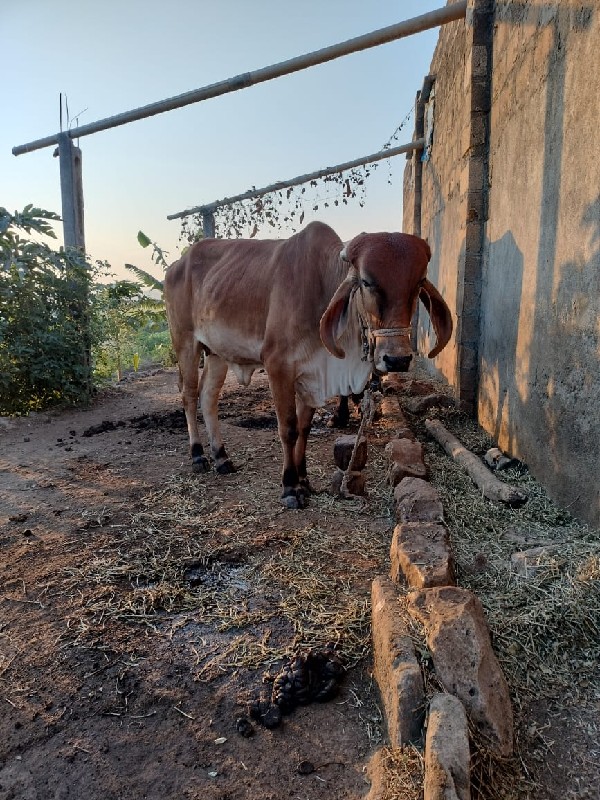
335, 319
439, 314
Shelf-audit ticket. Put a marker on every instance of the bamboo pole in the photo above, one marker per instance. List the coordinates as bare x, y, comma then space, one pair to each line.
391, 33
274, 187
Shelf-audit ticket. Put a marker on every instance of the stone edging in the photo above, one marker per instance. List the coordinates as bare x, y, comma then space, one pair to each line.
421, 592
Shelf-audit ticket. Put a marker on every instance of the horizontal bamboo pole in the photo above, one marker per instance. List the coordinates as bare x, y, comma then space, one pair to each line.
274, 187
408, 27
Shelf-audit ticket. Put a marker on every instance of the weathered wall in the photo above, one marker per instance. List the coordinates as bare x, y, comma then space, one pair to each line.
443, 199
538, 349
540, 375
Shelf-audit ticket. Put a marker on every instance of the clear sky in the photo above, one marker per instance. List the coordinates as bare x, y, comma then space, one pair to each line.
110, 56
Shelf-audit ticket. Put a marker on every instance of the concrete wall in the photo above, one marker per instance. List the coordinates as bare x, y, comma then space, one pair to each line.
538, 354
443, 199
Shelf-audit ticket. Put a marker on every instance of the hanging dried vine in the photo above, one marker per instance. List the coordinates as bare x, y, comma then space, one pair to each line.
287, 208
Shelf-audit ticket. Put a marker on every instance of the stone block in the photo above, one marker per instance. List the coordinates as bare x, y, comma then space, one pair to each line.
417, 501
389, 406
406, 460
342, 452
419, 405
395, 666
459, 641
529, 563
393, 383
447, 752
356, 485
420, 555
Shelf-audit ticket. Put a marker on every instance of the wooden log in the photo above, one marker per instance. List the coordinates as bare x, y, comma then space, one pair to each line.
491, 487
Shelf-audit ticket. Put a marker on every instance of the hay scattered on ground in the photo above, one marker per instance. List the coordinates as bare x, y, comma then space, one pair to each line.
545, 627
188, 556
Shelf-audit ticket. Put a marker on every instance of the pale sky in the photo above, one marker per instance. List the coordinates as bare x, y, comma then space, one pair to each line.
110, 56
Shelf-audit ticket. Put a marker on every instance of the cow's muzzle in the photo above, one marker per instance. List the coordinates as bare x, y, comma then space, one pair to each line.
397, 363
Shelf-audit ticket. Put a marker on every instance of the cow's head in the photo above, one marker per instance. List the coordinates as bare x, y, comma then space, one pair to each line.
386, 277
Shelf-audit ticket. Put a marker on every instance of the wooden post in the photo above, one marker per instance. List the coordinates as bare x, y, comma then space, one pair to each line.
71, 188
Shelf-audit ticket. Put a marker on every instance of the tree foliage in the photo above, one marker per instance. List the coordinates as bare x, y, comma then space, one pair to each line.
65, 322
44, 332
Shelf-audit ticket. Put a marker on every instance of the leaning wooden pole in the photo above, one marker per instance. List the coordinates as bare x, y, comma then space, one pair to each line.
491, 487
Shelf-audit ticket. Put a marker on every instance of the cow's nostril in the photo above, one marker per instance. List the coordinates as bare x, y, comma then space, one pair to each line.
397, 363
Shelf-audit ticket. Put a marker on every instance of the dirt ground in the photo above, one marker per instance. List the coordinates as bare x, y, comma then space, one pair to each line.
118, 682
142, 608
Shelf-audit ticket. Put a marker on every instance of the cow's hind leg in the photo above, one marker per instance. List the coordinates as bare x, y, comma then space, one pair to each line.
188, 357
284, 397
211, 383
341, 416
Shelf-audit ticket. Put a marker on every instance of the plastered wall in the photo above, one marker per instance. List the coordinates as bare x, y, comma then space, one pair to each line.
538, 298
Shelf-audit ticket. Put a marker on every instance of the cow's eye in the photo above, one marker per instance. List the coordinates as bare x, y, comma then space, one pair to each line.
366, 284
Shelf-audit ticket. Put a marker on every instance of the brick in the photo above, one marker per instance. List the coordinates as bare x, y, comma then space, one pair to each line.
447, 754
342, 452
420, 555
406, 460
416, 500
395, 665
464, 662
356, 484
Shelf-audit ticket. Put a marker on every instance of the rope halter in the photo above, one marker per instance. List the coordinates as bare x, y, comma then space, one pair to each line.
369, 336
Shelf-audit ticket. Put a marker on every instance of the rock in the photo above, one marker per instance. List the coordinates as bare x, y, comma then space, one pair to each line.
495, 459
357, 483
447, 750
418, 405
528, 563
389, 406
396, 668
420, 555
524, 537
403, 429
393, 383
406, 460
459, 641
342, 452
417, 501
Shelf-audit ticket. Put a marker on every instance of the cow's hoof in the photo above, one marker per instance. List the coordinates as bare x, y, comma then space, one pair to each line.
200, 464
290, 501
338, 422
294, 498
225, 467
305, 488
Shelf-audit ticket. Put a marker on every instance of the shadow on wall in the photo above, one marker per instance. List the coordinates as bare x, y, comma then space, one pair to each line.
501, 376
543, 405
562, 361
547, 410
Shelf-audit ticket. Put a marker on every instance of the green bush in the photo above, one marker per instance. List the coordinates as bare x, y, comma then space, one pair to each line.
65, 323
44, 330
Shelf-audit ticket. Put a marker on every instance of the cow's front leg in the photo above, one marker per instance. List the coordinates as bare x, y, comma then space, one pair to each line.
211, 383
284, 397
304, 414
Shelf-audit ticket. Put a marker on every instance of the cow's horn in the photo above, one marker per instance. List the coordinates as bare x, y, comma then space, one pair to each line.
343, 255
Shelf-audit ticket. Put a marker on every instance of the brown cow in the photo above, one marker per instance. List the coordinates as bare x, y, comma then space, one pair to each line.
318, 316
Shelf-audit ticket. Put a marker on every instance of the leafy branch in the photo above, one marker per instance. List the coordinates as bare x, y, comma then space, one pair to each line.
287, 207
